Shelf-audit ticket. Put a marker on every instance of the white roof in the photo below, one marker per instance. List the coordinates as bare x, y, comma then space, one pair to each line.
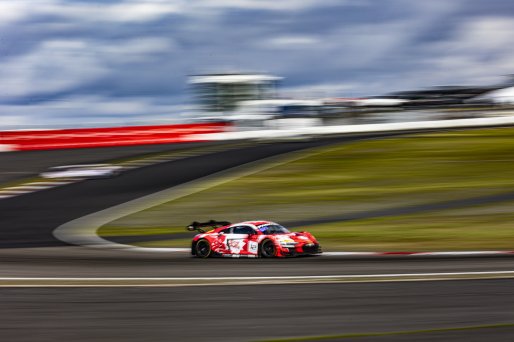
504, 95
501, 92
280, 102
233, 78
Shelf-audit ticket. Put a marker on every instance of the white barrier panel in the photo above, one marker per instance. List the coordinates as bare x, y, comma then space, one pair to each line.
352, 129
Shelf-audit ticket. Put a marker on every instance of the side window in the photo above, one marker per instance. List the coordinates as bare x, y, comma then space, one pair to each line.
243, 230
226, 231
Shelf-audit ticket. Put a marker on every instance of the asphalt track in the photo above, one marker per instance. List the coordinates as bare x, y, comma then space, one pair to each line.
19, 165
249, 313
221, 313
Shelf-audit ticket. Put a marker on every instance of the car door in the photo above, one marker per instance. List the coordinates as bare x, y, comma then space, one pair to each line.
220, 245
237, 240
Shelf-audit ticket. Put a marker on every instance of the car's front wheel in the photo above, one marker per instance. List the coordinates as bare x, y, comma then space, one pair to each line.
203, 249
268, 249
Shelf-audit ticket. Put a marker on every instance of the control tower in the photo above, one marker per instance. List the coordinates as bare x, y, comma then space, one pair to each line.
220, 93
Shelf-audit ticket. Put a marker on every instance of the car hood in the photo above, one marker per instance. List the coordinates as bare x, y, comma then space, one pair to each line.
295, 238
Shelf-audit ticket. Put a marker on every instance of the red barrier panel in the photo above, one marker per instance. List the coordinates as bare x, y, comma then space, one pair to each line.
105, 136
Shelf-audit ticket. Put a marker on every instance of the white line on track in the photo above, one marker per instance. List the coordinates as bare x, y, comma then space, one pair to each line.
204, 281
330, 276
383, 275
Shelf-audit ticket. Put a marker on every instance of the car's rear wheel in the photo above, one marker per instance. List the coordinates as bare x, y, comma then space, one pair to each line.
203, 249
268, 249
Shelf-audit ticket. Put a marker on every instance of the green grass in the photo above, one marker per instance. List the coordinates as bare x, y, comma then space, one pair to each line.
477, 228
364, 176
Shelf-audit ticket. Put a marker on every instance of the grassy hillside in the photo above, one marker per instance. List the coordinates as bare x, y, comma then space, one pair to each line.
363, 177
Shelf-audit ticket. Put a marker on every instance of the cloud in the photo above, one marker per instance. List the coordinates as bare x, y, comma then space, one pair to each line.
134, 11
61, 65
128, 11
270, 5
54, 66
99, 110
291, 41
136, 50
11, 11
123, 12
479, 51
58, 56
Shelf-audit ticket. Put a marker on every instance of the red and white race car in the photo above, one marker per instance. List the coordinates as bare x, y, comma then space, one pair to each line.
251, 239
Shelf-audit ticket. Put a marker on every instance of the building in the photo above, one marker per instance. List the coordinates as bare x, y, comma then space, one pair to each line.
220, 93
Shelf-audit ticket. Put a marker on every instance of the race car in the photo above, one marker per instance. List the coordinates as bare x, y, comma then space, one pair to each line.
251, 239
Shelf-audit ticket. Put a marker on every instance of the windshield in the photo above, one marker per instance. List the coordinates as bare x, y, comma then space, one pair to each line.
271, 229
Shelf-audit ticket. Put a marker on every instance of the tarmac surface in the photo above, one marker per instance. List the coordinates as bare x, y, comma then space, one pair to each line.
22, 164
223, 313
73, 261
250, 313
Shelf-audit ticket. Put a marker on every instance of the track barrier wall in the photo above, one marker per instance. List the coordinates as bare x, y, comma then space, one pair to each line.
165, 134
106, 136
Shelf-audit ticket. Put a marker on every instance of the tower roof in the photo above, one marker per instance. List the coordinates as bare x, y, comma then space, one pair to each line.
233, 78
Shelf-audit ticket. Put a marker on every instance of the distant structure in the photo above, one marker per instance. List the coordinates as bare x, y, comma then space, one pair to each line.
220, 93
457, 95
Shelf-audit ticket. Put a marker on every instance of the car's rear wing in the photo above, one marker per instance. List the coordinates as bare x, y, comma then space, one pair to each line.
209, 224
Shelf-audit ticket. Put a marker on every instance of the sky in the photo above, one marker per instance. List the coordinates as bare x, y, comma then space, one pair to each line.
98, 62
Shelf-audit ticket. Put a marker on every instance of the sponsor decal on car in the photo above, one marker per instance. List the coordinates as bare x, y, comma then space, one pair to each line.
253, 247
236, 245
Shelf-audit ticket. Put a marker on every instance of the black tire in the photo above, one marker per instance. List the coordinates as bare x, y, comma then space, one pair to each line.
203, 249
268, 249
